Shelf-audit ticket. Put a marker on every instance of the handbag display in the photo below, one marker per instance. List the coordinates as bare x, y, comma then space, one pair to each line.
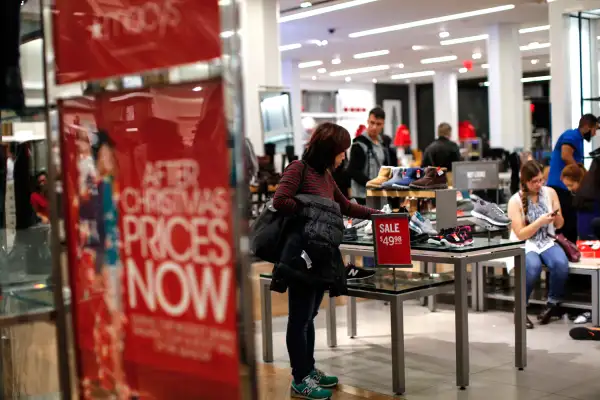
570, 249
267, 231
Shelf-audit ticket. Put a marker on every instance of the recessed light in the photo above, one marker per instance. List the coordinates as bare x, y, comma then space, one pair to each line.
413, 75
292, 46
324, 43
535, 29
305, 4
463, 70
548, 65
227, 34
322, 70
466, 39
197, 89
370, 54
336, 61
438, 59
323, 10
348, 79
314, 78
476, 56
432, 21
535, 61
417, 47
309, 64
363, 70
374, 80
485, 66
400, 65
444, 34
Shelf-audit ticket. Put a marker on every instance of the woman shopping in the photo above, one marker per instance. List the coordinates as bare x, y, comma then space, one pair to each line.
535, 213
310, 266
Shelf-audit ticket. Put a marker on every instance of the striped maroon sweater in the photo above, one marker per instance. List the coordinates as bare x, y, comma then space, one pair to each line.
317, 184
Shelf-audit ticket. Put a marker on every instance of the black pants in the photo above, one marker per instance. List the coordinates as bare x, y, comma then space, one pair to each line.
304, 303
569, 213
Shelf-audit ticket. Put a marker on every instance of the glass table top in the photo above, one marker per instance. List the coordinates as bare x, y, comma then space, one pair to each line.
397, 281
26, 299
478, 244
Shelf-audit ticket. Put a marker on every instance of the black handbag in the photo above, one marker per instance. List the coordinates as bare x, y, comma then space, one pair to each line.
267, 231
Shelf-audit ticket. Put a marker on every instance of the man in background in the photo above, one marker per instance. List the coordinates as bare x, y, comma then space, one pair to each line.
443, 151
568, 151
369, 152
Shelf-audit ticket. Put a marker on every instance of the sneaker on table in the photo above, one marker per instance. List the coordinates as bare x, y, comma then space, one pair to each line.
416, 238
353, 273
422, 225
310, 390
490, 212
466, 233
453, 238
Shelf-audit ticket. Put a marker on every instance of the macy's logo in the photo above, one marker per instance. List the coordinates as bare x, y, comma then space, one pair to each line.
150, 17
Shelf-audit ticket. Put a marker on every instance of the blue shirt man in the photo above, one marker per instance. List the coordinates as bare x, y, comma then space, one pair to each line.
569, 150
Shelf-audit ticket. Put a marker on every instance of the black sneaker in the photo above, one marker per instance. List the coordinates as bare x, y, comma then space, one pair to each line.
353, 273
453, 238
416, 238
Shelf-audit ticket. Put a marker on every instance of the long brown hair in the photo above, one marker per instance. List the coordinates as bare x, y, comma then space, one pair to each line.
327, 141
529, 171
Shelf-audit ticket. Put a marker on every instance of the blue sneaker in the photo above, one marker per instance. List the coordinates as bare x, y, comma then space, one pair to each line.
310, 390
410, 175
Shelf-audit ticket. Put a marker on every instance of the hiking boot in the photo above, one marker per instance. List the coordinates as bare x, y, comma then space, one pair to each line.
309, 389
385, 173
323, 380
410, 175
435, 178
397, 175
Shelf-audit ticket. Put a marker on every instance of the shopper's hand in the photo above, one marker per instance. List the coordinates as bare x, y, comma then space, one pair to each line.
546, 219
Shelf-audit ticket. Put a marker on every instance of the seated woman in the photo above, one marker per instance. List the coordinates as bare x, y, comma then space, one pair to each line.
586, 188
535, 214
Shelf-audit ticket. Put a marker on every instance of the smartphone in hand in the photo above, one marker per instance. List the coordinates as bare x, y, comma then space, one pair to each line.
555, 213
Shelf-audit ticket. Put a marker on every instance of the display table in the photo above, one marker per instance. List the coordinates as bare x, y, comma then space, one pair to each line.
481, 250
394, 286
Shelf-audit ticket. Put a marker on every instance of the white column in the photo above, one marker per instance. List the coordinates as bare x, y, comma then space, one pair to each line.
445, 98
412, 107
261, 61
505, 92
291, 80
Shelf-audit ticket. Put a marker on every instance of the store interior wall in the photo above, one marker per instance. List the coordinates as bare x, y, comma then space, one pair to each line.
394, 92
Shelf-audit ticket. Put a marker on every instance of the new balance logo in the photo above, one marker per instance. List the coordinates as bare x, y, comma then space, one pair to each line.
353, 272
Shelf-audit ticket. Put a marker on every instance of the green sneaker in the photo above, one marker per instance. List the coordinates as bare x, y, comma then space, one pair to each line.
309, 389
324, 380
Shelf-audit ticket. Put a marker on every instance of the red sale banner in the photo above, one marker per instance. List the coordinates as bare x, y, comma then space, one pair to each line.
146, 176
392, 240
95, 39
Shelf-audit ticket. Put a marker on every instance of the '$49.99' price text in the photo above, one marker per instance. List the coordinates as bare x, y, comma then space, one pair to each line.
391, 240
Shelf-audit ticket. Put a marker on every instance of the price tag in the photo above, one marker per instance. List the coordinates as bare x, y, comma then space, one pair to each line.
392, 240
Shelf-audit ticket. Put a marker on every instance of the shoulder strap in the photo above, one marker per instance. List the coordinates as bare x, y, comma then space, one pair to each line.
301, 185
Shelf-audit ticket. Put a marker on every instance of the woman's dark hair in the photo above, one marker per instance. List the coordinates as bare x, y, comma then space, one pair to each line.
529, 171
327, 141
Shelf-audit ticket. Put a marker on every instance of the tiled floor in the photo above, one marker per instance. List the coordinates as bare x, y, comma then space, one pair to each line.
558, 367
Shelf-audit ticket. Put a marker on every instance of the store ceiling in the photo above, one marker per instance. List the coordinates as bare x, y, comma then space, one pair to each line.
383, 13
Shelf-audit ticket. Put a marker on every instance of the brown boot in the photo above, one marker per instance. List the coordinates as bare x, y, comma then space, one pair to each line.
435, 178
385, 173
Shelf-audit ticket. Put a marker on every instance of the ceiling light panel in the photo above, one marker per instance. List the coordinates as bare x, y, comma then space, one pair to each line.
413, 75
323, 10
309, 64
438, 59
535, 29
431, 21
535, 46
467, 39
363, 70
292, 46
370, 54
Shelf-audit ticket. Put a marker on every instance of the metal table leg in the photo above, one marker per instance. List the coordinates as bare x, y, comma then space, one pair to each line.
481, 279
331, 320
398, 369
475, 287
520, 312
432, 300
267, 320
424, 268
595, 297
462, 324
351, 316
